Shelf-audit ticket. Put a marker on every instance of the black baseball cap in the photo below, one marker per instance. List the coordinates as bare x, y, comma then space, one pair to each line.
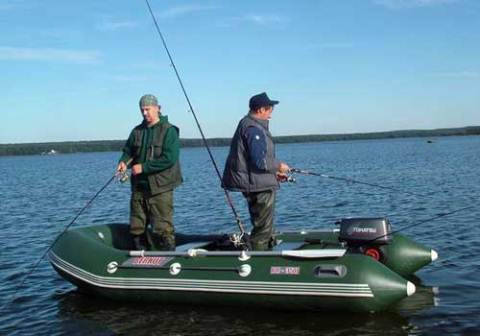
261, 100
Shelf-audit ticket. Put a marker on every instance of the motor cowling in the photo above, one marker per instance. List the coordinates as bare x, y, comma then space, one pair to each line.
365, 231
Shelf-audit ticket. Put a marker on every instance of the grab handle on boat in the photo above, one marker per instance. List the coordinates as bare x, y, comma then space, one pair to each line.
303, 254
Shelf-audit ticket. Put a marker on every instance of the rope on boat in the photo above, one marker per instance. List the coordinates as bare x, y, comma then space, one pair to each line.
307, 172
227, 194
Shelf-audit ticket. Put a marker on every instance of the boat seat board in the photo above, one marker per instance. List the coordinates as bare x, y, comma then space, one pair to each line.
192, 245
288, 246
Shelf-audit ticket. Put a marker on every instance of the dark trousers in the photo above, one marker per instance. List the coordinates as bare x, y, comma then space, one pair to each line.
261, 206
154, 210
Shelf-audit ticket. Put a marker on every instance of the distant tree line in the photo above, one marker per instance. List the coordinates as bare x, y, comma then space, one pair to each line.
117, 145
469, 130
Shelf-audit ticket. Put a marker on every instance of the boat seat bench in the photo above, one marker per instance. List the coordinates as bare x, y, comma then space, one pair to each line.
192, 245
288, 246
282, 246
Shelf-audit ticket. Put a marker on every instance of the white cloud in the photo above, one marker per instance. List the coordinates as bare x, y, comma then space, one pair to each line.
264, 19
12, 4
49, 54
183, 10
116, 25
458, 74
335, 45
257, 19
329, 46
397, 4
128, 78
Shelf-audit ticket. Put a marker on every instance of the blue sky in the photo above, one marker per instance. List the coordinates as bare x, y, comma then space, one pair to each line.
74, 70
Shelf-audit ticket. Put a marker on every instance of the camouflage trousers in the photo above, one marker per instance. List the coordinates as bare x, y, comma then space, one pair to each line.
156, 211
261, 206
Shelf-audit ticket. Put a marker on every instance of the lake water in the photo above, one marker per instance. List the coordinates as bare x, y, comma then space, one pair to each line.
40, 196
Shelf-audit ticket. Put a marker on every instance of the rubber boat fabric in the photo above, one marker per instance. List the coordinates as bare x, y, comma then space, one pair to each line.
327, 269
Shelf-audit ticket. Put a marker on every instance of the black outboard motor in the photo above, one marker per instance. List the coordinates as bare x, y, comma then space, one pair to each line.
366, 234
358, 231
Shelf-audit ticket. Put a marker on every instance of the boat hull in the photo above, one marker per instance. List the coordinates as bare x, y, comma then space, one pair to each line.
97, 260
402, 255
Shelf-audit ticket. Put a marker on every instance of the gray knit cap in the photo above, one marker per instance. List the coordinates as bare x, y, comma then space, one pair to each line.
148, 100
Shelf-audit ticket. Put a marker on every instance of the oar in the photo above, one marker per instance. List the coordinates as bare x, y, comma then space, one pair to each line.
307, 254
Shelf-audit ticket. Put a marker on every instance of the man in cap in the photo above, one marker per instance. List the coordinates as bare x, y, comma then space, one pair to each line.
252, 169
152, 152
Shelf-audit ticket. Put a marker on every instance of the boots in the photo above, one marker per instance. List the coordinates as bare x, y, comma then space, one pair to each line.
139, 242
161, 242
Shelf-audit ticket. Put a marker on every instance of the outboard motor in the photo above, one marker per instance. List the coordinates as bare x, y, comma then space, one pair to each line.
366, 234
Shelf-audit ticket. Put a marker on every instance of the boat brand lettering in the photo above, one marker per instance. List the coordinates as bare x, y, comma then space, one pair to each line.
285, 270
369, 230
149, 261
361, 230
146, 261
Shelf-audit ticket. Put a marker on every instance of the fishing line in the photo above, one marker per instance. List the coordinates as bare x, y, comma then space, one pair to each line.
307, 172
227, 195
418, 223
56, 239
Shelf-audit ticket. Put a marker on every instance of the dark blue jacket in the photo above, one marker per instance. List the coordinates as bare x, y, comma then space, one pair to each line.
251, 163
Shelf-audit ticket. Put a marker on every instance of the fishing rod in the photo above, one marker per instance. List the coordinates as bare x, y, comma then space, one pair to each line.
418, 223
122, 177
227, 195
307, 172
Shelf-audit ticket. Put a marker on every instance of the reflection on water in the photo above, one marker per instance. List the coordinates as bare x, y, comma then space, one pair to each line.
425, 297
41, 195
78, 309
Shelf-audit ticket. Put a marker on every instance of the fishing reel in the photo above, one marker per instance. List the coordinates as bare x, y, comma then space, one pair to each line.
241, 241
289, 178
123, 176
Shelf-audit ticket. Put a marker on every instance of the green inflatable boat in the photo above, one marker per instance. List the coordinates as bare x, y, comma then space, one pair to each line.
359, 267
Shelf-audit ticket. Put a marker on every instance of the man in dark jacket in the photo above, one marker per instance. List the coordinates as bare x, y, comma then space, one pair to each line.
252, 169
152, 152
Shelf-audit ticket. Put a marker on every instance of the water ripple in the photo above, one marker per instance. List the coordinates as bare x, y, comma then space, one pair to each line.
445, 174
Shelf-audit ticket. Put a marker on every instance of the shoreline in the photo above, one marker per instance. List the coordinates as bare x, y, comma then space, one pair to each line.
53, 148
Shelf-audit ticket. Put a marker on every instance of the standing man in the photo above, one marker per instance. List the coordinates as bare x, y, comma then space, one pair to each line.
152, 151
251, 168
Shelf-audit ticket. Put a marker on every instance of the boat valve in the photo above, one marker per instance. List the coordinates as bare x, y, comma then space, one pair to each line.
244, 270
112, 267
175, 268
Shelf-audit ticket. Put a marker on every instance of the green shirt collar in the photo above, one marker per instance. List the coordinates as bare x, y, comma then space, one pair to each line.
161, 120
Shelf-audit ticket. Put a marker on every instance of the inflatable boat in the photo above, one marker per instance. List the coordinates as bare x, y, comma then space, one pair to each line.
359, 266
